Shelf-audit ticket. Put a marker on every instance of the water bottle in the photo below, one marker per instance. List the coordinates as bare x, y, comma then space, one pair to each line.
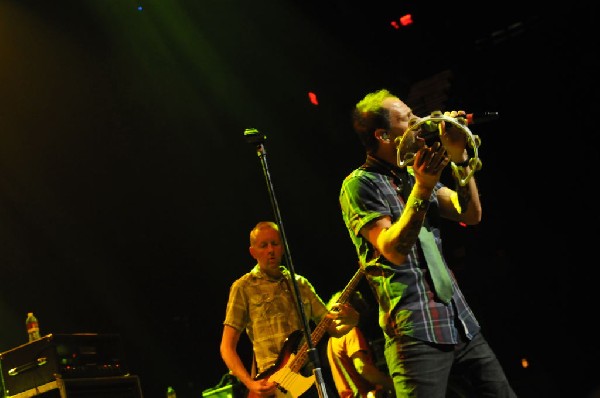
33, 328
171, 392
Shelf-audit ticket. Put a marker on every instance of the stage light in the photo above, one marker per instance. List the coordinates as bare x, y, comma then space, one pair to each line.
406, 20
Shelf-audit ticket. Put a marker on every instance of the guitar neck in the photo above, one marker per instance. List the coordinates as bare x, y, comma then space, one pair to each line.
300, 359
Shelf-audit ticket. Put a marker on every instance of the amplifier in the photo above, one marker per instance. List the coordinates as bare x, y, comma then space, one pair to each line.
101, 387
219, 392
66, 356
229, 387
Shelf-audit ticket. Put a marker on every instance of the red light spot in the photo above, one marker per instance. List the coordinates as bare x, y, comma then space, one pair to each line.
406, 20
395, 25
313, 98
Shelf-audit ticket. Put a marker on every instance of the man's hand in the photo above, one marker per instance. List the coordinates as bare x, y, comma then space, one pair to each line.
344, 316
263, 388
454, 139
429, 164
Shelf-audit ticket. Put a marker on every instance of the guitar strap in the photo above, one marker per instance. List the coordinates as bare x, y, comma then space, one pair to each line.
292, 294
254, 370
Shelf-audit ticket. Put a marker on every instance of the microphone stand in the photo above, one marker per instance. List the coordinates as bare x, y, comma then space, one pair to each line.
252, 136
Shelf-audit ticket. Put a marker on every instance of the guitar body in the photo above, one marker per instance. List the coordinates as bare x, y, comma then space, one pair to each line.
278, 371
290, 347
295, 383
286, 370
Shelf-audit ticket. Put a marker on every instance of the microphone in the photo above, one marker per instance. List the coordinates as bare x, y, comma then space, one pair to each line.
482, 117
253, 136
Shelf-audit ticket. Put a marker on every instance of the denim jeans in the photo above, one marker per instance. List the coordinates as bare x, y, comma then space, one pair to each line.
423, 370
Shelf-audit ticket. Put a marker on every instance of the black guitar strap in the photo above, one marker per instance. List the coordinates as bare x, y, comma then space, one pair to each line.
254, 371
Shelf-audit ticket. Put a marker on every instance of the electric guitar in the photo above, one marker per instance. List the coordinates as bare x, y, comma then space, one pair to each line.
285, 371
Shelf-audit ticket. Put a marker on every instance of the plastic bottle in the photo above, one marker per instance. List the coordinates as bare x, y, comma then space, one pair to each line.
33, 327
171, 392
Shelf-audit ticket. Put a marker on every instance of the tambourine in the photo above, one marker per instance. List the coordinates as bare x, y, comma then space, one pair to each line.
430, 129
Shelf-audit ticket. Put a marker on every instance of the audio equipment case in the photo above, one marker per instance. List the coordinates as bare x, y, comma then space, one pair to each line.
100, 387
219, 392
228, 387
55, 358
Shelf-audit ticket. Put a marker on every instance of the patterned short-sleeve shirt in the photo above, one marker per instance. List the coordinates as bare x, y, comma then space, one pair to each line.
266, 309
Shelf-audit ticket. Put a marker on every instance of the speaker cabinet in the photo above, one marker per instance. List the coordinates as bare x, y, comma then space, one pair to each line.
101, 387
218, 392
61, 356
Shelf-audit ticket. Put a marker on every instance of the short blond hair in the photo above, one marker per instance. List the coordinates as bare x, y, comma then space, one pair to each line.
260, 226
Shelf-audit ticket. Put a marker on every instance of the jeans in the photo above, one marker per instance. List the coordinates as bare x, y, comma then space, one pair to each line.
423, 370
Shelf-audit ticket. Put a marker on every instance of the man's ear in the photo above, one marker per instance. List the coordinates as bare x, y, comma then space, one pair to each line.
382, 134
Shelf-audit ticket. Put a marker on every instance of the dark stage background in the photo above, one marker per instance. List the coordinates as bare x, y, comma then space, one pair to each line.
127, 190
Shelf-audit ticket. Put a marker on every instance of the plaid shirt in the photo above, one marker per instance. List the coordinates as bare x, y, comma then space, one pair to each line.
407, 303
267, 310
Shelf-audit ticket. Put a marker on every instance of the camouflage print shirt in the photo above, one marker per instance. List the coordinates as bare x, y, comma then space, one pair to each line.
266, 309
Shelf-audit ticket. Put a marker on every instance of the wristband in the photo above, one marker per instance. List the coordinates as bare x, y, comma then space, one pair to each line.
418, 204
